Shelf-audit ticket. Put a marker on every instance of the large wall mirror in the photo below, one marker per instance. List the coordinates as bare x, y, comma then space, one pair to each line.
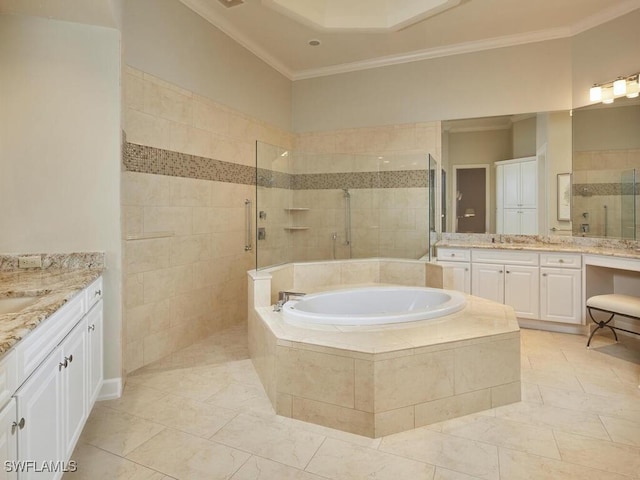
491, 178
606, 166
499, 173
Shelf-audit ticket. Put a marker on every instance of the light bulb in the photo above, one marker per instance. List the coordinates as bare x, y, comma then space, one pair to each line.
633, 87
595, 93
607, 95
620, 86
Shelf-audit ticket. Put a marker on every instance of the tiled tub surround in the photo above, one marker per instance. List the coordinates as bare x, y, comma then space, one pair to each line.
375, 381
63, 276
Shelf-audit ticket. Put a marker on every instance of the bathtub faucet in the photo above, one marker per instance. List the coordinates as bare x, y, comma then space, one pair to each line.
283, 297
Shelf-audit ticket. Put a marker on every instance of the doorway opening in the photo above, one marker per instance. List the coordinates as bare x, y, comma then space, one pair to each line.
471, 187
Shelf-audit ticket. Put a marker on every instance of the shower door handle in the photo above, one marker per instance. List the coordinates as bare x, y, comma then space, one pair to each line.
248, 244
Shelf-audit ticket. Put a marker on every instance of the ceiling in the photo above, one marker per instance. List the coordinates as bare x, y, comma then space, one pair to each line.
359, 34
282, 39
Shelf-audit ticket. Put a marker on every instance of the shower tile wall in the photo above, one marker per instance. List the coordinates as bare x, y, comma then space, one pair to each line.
597, 182
386, 222
191, 283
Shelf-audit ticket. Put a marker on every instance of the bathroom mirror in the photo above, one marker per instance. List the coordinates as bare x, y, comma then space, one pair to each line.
470, 149
606, 165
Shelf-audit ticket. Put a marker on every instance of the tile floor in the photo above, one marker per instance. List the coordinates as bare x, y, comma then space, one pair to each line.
201, 413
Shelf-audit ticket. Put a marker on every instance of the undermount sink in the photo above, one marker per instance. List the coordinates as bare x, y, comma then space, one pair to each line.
14, 305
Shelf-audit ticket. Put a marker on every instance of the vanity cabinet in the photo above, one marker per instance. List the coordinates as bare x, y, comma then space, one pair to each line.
561, 288
8, 444
513, 285
46, 414
457, 262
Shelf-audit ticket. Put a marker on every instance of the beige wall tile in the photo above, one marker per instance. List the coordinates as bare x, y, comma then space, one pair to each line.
333, 416
311, 276
395, 379
506, 394
455, 406
471, 362
175, 220
364, 385
142, 189
394, 421
145, 255
402, 273
145, 129
317, 376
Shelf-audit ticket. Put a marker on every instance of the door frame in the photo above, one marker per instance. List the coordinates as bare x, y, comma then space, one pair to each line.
487, 201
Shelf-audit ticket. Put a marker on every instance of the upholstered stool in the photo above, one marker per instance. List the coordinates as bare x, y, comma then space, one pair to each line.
614, 304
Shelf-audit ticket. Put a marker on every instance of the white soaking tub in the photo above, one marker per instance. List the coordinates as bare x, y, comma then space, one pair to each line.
373, 305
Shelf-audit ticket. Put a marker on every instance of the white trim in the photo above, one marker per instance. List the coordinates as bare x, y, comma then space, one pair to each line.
206, 11
111, 389
487, 201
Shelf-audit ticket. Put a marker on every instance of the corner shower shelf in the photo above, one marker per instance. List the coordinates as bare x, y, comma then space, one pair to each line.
297, 209
296, 228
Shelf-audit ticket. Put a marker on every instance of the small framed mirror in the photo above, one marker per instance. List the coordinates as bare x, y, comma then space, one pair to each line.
564, 197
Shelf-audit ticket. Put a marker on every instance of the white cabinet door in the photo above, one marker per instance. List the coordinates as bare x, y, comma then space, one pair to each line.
528, 184
521, 290
8, 441
511, 185
487, 281
511, 221
560, 295
460, 276
74, 351
528, 221
94, 329
39, 402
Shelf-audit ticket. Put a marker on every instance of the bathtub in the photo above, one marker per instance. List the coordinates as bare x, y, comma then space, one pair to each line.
373, 306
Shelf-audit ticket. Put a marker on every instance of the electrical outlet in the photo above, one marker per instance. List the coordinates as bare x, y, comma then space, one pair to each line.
33, 261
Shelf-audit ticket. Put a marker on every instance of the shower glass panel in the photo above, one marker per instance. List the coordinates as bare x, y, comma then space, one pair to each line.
336, 206
628, 213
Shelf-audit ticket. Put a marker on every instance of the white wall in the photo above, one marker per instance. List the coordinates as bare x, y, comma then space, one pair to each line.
60, 148
168, 40
527, 78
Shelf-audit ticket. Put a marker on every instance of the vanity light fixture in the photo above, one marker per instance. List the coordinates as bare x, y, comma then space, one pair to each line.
608, 91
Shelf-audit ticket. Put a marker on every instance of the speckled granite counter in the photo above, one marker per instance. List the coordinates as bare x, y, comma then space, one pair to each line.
589, 246
53, 286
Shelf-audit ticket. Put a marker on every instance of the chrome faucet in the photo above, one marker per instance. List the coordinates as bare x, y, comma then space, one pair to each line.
283, 297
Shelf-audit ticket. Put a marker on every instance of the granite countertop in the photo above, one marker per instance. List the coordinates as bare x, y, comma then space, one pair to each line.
53, 286
632, 253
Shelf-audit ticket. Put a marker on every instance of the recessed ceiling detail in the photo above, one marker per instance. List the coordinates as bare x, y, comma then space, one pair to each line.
360, 15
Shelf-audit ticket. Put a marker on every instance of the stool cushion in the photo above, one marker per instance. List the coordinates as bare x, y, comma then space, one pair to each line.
614, 302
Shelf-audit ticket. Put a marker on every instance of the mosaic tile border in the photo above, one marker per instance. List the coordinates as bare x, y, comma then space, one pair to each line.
145, 159
56, 260
604, 189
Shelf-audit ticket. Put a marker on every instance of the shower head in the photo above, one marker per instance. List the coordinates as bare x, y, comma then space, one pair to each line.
346, 193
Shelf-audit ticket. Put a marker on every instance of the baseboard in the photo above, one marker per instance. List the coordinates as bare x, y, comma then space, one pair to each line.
553, 326
111, 389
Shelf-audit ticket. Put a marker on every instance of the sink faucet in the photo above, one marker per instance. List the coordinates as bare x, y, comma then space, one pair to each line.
283, 297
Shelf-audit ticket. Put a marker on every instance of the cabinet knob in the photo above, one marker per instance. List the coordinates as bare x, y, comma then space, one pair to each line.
544, 274
508, 271
62, 365
70, 358
500, 271
453, 254
17, 425
561, 261
97, 293
92, 327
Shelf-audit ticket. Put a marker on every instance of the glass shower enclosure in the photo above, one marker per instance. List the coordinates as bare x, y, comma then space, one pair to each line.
338, 206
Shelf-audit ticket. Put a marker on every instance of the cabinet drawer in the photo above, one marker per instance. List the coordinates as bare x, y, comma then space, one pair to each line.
38, 344
454, 254
505, 257
93, 293
8, 376
565, 260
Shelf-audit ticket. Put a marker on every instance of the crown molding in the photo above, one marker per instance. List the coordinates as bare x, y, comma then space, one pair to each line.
437, 52
205, 10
